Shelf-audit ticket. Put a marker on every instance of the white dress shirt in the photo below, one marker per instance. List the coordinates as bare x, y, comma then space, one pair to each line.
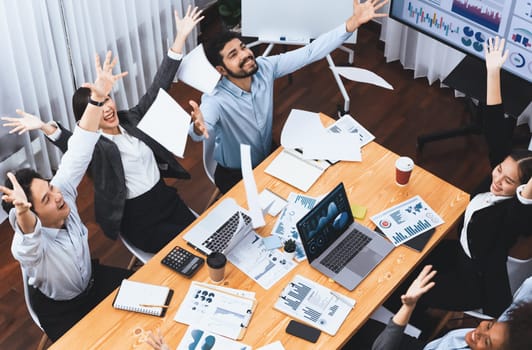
140, 167
57, 261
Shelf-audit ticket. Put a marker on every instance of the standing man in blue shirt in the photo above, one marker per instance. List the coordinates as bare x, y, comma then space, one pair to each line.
240, 108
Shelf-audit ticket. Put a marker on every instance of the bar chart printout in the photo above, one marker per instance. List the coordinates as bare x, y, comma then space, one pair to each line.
407, 220
314, 304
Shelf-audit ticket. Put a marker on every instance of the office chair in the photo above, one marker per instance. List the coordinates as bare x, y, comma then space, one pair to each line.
44, 338
138, 254
209, 164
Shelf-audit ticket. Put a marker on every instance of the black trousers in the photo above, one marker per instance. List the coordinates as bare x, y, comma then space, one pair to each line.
154, 218
57, 317
226, 178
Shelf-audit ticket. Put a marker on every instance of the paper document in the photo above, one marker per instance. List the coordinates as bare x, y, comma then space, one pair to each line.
290, 167
266, 267
362, 76
167, 123
342, 146
406, 220
314, 304
222, 312
277, 345
303, 130
300, 127
271, 201
348, 124
255, 211
196, 338
196, 71
285, 226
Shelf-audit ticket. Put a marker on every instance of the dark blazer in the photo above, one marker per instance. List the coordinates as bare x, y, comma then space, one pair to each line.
106, 165
492, 231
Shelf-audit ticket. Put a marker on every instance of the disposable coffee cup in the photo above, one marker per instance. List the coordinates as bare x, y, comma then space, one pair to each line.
216, 262
403, 169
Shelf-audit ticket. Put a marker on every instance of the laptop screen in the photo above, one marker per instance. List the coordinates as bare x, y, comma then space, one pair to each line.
325, 222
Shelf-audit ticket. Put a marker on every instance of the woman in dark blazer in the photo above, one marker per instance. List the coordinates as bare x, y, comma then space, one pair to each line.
472, 272
128, 166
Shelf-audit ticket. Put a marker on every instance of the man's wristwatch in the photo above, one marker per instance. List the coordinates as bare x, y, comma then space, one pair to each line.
96, 103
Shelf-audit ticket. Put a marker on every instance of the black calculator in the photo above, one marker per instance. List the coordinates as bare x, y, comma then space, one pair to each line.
183, 261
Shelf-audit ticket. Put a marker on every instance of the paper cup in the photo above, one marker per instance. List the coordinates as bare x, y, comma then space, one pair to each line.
403, 169
216, 263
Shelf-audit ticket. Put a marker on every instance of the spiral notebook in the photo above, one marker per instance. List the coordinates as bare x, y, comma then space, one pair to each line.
142, 297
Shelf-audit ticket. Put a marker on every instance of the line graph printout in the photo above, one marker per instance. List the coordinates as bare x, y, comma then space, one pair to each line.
407, 220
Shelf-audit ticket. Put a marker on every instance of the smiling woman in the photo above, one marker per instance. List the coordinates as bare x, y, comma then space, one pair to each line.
472, 271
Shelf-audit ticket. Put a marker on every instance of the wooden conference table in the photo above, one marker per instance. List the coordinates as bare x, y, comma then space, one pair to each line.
370, 183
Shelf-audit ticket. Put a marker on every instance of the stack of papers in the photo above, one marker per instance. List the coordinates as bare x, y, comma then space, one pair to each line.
303, 130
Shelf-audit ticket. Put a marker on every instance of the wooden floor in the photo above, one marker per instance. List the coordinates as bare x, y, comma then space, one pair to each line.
394, 117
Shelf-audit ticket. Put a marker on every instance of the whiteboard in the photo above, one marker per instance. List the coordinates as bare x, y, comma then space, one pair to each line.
293, 20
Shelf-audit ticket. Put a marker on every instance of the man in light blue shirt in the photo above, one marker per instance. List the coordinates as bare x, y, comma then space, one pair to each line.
240, 109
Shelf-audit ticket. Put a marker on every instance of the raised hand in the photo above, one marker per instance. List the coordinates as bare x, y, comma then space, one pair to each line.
184, 26
105, 79
25, 123
493, 50
364, 12
420, 286
157, 341
197, 118
16, 196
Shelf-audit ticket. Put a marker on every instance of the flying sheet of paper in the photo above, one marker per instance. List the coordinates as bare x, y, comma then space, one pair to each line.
362, 76
255, 210
167, 123
297, 121
196, 71
340, 146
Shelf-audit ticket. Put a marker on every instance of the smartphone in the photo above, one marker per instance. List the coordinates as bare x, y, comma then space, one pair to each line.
303, 331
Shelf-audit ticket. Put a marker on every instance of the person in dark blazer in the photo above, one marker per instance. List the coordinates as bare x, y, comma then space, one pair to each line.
472, 271
128, 166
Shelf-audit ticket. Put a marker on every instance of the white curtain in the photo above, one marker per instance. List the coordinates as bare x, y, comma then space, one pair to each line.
48, 51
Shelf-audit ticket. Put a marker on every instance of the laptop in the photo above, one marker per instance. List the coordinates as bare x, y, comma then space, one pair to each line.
221, 230
336, 245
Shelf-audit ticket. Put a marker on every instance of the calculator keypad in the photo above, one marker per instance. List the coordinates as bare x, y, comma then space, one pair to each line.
182, 261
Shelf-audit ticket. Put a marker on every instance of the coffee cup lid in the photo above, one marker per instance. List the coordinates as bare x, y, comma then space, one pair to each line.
216, 260
404, 164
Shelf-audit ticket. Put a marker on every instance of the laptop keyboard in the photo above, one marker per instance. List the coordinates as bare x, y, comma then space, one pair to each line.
219, 240
350, 246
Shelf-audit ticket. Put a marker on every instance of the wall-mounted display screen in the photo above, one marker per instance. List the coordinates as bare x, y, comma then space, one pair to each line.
466, 24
